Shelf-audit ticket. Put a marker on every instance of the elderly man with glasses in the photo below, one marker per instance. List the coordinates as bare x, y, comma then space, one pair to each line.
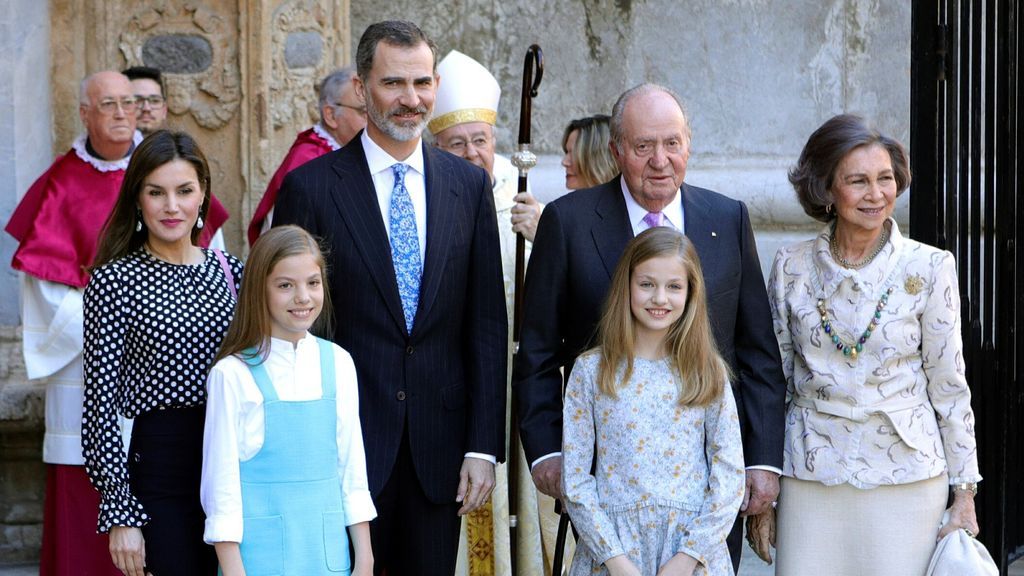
342, 116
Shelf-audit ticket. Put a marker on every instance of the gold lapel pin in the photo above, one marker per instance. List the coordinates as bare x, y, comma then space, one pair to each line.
914, 284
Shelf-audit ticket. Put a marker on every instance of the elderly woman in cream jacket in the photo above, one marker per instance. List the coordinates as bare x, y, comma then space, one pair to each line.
879, 425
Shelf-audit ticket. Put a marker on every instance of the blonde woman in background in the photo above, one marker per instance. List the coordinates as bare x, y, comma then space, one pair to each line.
588, 159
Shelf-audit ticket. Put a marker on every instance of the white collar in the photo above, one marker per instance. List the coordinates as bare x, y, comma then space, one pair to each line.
280, 346
322, 132
671, 212
98, 163
378, 160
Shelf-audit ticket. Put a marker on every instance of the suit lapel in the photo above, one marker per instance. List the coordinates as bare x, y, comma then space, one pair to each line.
441, 211
700, 225
355, 197
611, 229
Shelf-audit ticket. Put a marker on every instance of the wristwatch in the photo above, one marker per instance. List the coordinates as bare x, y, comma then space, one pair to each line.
971, 487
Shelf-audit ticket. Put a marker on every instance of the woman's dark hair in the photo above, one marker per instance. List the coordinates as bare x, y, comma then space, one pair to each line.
825, 149
119, 236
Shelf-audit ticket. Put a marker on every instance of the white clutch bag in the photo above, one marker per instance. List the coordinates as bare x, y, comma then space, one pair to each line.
957, 554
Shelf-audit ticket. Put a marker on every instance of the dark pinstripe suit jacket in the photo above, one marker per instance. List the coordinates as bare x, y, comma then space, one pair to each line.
579, 241
446, 380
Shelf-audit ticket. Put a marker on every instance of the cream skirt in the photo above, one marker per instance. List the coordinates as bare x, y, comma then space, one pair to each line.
846, 531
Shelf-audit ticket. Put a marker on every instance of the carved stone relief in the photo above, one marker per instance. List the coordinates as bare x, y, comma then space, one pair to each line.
197, 50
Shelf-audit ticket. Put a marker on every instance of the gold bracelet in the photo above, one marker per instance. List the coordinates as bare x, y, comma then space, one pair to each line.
971, 487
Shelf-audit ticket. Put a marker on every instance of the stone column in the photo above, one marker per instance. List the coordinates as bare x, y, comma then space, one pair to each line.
25, 152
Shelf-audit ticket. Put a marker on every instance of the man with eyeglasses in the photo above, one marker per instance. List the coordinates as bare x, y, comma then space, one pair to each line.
57, 224
464, 117
148, 87
342, 116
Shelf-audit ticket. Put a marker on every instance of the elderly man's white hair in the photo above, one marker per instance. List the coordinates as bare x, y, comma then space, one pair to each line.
83, 86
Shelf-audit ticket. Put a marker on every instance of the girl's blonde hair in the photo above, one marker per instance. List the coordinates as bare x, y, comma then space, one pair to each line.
250, 328
690, 342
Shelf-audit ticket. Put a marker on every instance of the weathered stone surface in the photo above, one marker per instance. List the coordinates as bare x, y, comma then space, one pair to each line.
303, 49
178, 53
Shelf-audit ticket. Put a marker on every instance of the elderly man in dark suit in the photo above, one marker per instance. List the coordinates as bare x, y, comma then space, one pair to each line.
418, 298
578, 243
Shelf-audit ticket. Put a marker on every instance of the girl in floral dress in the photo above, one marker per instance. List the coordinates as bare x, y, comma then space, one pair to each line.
652, 459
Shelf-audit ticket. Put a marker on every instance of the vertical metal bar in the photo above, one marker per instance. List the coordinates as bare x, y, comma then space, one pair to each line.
951, 127
925, 76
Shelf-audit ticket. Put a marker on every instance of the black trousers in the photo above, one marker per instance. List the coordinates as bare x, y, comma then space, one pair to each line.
165, 463
412, 535
735, 542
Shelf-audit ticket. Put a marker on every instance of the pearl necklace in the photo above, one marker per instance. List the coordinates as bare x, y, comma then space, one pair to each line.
834, 245
854, 350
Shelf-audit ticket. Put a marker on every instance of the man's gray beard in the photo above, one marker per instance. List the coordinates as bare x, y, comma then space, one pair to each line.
384, 123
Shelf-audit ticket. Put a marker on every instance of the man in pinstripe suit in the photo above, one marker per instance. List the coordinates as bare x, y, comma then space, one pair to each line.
429, 340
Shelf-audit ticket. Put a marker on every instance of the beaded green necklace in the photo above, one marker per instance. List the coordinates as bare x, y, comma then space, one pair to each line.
852, 351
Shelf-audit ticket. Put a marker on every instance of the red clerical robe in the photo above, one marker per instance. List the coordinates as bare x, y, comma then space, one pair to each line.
308, 145
58, 222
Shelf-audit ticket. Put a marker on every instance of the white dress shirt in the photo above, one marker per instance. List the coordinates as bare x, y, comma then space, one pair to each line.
672, 213
235, 427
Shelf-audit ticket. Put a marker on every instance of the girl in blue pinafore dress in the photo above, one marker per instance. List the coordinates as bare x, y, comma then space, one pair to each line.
652, 466
284, 473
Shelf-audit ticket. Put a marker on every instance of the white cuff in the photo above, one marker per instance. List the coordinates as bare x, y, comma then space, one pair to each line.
359, 508
480, 456
766, 468
543, 458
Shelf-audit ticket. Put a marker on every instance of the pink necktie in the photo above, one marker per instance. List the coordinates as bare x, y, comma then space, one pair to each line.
654, 219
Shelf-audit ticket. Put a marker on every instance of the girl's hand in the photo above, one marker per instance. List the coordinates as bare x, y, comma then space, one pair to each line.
961, 515
679, 565
128, 550
621, 565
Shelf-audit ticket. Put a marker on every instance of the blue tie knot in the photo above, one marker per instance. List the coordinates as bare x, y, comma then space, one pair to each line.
399, 170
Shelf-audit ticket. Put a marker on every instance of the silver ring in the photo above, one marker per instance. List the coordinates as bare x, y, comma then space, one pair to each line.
969, 533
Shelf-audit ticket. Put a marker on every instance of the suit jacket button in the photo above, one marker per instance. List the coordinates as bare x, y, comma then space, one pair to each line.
400, 395
409, 350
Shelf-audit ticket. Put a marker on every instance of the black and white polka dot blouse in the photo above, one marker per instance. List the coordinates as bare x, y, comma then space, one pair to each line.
151, 331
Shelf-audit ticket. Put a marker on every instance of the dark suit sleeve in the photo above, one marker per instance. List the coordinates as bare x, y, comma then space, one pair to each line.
486, 329
537, 378
294, 204
761, 382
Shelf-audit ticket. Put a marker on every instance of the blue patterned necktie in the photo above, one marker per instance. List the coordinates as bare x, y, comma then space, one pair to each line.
405, 246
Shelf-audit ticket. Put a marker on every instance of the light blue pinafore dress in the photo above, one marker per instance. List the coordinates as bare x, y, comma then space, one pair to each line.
293, 516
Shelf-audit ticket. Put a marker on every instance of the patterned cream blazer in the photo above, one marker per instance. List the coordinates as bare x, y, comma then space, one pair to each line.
900, 412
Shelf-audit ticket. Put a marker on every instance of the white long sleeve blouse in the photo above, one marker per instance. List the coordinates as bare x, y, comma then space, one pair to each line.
235, 430
901, 411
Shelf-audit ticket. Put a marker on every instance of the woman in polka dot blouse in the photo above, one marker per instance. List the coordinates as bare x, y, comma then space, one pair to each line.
156, 310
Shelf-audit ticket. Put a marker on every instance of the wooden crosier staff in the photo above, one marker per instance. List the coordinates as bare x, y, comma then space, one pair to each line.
523, 159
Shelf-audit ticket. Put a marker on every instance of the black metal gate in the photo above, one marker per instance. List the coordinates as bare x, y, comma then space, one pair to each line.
966, 131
